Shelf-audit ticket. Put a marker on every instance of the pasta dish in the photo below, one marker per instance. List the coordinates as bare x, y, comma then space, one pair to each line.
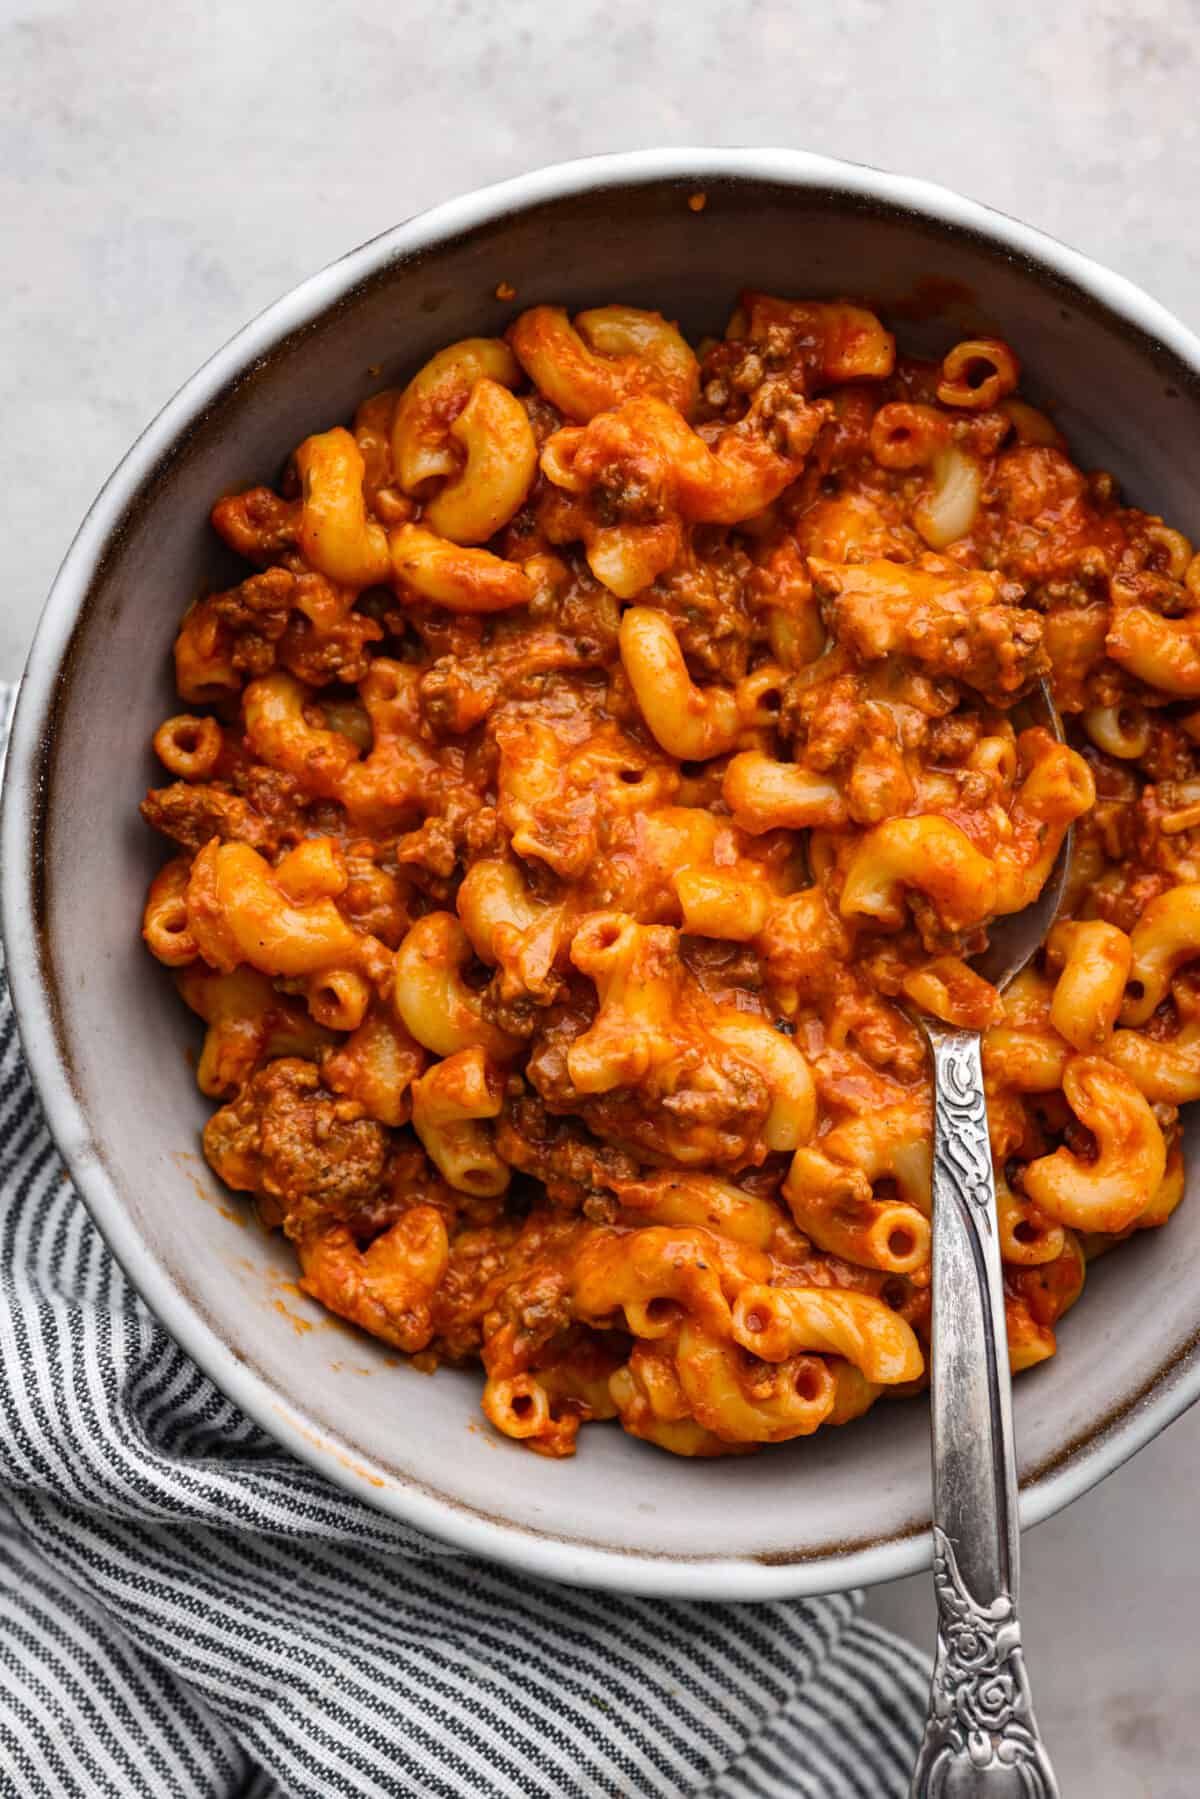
611, 748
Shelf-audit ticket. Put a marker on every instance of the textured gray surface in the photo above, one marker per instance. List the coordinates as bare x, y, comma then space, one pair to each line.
164, 173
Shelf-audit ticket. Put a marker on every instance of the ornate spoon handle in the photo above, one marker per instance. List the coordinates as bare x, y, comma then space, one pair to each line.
981, 1738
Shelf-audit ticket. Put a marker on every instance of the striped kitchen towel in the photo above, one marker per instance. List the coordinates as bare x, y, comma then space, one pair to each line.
185, 1610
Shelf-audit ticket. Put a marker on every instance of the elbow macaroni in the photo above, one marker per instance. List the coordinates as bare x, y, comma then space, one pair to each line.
500, 457
449, 1104
683, 719
336, 535
610, 741
609, 354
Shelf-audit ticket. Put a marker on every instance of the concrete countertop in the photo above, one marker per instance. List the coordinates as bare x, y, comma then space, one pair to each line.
164, 175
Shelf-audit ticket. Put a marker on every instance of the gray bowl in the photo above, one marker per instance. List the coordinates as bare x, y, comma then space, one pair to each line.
108, 1039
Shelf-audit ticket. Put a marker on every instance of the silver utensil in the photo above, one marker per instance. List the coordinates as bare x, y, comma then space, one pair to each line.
981, 1738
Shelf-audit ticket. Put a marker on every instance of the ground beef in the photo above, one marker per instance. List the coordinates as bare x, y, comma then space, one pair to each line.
965, 623
569, 1162
193, 814
308, 1154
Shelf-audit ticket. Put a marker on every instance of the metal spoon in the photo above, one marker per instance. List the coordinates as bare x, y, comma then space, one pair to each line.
981, 1737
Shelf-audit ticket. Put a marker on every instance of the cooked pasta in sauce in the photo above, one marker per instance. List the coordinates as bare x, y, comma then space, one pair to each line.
610, 747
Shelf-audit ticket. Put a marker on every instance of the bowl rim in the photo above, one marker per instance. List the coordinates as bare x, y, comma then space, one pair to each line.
535, 1551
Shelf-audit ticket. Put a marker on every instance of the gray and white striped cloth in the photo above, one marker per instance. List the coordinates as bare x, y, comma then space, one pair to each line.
185, 1610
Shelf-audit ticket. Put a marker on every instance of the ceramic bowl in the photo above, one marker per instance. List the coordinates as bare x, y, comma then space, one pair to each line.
108, 1039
